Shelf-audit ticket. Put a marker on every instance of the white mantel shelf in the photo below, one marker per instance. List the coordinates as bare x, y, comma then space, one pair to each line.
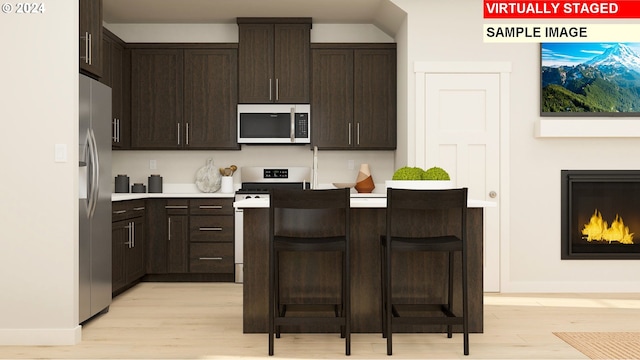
588, 128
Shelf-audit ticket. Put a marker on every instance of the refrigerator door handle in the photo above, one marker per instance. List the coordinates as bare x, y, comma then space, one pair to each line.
93, 186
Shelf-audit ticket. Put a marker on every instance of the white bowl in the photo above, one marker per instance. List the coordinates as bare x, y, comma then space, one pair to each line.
420, 184
344, 185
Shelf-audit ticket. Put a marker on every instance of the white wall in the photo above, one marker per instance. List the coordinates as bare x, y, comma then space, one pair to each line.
452, 31
39, 221
181, 166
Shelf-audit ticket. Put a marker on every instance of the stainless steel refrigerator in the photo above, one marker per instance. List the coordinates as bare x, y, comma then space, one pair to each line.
95, 198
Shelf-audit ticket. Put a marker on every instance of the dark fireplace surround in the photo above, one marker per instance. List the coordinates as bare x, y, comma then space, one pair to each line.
611, 194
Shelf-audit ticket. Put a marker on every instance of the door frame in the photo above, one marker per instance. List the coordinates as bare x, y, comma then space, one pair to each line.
503, 69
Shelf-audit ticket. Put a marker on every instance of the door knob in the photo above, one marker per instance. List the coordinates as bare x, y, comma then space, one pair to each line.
493, 194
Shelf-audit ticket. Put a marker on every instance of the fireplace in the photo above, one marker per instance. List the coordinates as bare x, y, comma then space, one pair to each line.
600, 214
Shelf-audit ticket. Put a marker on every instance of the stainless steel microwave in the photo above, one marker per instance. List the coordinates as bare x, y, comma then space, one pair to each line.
274, 124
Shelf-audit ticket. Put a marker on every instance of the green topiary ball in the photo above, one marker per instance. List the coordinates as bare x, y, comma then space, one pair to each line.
408, 173
435, 173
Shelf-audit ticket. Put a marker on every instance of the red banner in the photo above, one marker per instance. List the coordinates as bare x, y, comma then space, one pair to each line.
561, 9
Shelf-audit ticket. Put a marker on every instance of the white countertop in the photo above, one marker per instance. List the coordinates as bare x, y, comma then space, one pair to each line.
356, 202
172, 191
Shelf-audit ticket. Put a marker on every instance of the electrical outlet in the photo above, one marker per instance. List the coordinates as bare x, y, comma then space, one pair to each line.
350, 164
153, 164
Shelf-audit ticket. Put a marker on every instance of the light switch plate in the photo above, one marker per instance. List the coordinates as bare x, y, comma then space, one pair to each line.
61, 153
153, 165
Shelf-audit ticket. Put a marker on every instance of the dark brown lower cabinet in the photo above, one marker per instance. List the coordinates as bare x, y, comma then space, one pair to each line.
190, 240
128, 244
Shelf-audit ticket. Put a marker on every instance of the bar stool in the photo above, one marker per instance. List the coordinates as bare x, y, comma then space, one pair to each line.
425, 221
309, 221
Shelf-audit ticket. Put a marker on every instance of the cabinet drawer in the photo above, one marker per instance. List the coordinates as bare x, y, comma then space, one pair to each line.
211, 228
177, 206
211, 258
214, 206
122, 210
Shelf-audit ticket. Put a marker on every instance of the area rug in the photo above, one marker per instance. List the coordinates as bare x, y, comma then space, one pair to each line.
604, 345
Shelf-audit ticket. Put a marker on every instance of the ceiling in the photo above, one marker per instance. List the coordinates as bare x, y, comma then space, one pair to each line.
226, 11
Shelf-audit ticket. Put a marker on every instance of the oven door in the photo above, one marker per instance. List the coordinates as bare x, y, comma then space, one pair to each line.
273, 124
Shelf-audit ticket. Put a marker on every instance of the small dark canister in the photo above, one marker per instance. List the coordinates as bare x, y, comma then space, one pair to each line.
138, 188
155, 184
122, 184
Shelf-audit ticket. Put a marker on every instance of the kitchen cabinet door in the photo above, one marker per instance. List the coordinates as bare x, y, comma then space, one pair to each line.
332, 98
90, 22
255, 63
128, 238
178, 244
291, 63
273, 60
210, 98
353, 96
113, 75
119, 239
156, 98
374, 111
135, 252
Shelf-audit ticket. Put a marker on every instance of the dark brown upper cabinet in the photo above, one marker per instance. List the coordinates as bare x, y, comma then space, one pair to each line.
273, 60
210, 98
91, 37
114, 76
156, 98
353, 96
184, 97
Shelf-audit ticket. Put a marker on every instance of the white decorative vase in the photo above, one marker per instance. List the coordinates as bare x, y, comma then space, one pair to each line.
208, 178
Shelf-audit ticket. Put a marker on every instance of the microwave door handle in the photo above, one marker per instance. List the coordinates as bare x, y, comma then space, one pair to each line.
293, 124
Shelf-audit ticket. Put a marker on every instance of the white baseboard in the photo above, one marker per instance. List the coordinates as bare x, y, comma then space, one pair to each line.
570, 287
32, 337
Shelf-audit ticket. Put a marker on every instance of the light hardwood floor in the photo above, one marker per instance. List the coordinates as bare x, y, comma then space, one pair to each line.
204, 321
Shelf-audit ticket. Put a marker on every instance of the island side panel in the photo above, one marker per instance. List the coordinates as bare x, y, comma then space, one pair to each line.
367, 226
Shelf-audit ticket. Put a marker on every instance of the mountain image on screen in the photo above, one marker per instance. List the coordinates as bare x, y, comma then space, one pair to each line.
606, 83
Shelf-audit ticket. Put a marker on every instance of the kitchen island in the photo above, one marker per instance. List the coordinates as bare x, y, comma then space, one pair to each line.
367, 224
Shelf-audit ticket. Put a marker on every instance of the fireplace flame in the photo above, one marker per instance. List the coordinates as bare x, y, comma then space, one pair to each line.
598, 230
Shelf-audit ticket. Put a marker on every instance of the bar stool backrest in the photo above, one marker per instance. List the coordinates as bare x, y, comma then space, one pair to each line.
310, 213
426, 212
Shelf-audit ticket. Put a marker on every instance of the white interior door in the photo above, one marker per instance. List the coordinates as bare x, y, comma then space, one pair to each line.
458, 118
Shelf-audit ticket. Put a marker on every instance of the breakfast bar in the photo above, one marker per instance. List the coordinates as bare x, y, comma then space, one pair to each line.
367, 224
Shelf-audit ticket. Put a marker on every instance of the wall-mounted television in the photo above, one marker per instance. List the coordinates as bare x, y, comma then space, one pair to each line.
590, 79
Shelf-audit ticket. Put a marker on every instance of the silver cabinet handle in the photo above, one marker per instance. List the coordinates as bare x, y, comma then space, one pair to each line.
270, 95
90, 52
210, 206
178, 125
277, 89
349, 133
210, 258
117, 212
118, 130
169, 229
139, 208
175, 206
187, 134
292, 132
358, 134
133, 234
86, 47
114, 138
210, 229
128, 243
